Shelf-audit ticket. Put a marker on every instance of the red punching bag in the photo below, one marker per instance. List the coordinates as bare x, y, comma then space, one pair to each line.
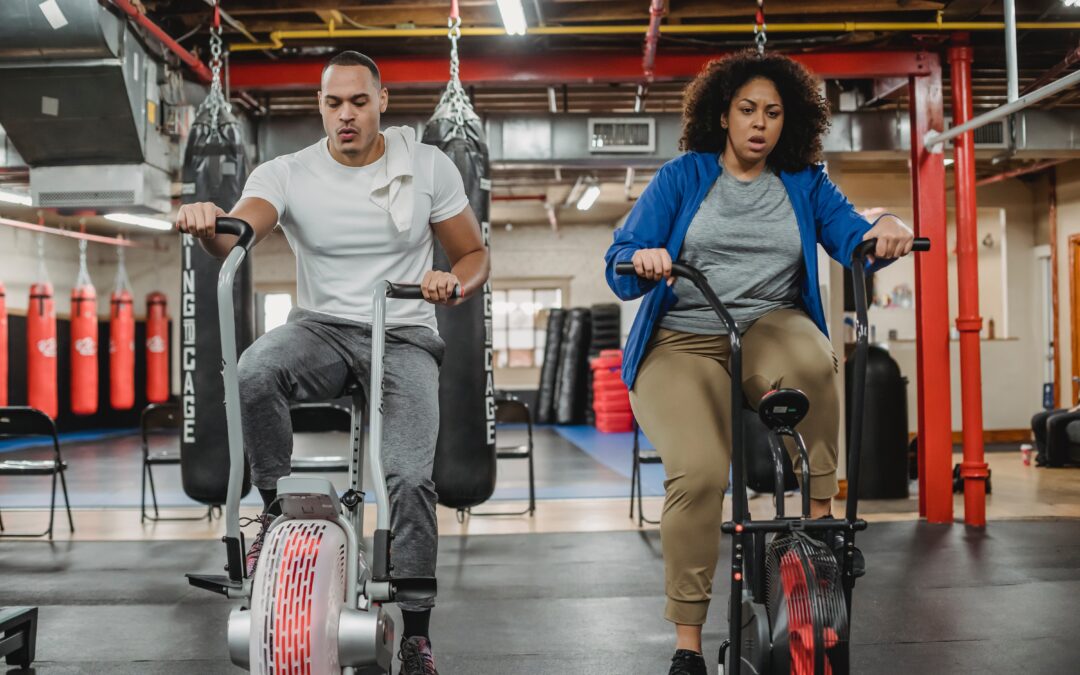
3, 347
157, 349
121, 341
84, 341
41, 350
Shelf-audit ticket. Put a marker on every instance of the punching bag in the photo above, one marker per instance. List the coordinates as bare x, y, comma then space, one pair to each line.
545, 398
157, 349
84, 341
121, 350
41, 350
84, 351
3, 347
464, 471
214, 170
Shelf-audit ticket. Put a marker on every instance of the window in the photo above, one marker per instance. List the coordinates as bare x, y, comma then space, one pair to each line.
275, 310
519, 320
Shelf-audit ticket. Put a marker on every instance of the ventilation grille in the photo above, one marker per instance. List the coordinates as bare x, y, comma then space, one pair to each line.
991, 134
87, 198
622, 135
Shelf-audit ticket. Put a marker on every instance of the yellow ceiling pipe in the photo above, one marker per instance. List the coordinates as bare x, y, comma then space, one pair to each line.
277, 38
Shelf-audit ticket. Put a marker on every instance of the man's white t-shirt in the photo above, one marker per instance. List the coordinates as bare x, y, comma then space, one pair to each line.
344, 243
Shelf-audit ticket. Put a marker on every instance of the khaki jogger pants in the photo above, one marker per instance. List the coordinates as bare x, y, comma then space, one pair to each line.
682, 400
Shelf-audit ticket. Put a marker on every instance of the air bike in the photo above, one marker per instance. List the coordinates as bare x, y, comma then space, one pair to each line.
790, 602
314, 605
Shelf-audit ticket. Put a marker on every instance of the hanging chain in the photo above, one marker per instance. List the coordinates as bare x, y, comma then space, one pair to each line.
121, 283
84, 275
43, 272
455, 96
759, 28
215, 99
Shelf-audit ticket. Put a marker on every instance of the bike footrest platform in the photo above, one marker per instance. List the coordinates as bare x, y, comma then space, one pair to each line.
218, 583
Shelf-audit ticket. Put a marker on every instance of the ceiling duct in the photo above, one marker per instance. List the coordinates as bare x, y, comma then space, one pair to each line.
81, 91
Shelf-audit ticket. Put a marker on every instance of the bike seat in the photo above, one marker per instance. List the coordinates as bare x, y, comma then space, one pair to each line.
783, 408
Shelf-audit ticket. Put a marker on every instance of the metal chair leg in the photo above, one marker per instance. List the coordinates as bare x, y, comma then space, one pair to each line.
142, 499
153, 489
532, 487
67, 501
52, 507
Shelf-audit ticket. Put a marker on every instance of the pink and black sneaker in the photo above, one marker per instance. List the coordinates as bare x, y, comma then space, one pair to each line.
252, 557
416, 658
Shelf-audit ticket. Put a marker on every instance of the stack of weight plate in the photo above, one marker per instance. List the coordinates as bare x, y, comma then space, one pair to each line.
611, 400
606, 326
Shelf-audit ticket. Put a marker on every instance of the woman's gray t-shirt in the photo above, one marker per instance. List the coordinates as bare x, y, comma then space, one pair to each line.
745, 239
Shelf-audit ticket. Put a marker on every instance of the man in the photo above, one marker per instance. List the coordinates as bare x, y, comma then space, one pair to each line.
356, 207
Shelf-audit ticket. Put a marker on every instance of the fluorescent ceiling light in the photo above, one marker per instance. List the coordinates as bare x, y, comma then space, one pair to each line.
1072, 3
589, 198
141, 221
15, 198
513, 17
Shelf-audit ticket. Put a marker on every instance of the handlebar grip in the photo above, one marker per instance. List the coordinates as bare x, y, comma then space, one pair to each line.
867, 247
237, 227
625, 268
412, 291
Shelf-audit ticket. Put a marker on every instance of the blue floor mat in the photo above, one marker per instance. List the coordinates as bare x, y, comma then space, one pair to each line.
615, 451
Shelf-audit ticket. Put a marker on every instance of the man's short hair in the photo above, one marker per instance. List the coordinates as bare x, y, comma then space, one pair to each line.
354, 58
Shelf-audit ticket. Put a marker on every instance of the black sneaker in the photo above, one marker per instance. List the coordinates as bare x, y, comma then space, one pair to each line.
686, 662
834, 539
416, 657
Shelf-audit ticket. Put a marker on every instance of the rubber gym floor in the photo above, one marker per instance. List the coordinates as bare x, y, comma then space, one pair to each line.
576, 589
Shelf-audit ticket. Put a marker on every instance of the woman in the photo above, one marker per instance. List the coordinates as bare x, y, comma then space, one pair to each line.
747, 204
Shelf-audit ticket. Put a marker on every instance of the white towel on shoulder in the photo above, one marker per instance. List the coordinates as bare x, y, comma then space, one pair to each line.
392, 189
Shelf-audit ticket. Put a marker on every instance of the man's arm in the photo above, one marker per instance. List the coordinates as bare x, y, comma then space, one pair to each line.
469, 262
199, 220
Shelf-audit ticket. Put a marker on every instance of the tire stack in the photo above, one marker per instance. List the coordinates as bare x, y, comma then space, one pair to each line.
611, 400
606, 328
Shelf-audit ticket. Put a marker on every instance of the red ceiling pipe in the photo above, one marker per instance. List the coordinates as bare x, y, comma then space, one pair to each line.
1024, 170
1052, 74
197, 66
974, 469
652, 36
932, 309
560, 68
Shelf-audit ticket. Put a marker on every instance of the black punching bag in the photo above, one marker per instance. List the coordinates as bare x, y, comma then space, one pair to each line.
464, 471
215, 168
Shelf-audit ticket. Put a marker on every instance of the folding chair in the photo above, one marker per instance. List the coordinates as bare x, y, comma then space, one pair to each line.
160, 417
25, 421
641, 456
509, 409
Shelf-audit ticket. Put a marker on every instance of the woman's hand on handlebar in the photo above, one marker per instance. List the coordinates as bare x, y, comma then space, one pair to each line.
438, 287
653, 264
199, 219
894, 239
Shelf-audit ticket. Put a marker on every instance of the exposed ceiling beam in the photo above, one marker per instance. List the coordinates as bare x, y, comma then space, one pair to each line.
568, 68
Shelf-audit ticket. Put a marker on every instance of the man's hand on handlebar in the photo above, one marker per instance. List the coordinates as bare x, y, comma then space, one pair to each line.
894, 239
199, 219
653, 264
438, 287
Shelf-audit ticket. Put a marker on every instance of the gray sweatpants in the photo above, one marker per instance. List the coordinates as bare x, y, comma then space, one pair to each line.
309, 359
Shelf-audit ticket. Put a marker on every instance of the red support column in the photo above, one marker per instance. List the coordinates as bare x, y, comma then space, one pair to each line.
973, 469
932, 308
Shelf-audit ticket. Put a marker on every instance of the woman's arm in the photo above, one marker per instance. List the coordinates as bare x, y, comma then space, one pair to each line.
649, 225
840, 227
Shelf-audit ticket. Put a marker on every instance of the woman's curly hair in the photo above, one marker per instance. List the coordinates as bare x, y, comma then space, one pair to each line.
806, 112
